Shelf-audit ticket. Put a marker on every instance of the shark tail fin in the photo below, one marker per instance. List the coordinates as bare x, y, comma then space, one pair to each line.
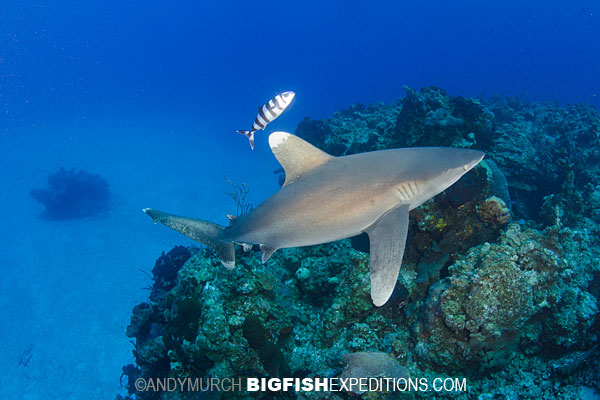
205, 232
250, 136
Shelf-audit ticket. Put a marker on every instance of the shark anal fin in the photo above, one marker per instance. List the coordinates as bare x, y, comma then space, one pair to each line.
387, 239
266, 252
295, 155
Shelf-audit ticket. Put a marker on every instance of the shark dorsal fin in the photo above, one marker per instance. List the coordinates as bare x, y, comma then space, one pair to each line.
295, 155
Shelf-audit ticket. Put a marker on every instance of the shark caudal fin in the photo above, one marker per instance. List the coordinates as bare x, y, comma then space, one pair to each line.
250, 136
205, 232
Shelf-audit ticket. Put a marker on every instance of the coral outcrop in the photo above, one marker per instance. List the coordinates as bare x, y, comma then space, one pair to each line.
73, 194
521, 291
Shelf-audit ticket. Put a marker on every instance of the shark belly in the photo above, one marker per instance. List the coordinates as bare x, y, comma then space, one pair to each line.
302, 215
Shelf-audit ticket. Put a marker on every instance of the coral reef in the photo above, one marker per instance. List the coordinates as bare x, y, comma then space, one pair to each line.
350, 131
519, 291
430, 117
164, 273
372, 365
73, 194
499, 284
518, 302
542, 149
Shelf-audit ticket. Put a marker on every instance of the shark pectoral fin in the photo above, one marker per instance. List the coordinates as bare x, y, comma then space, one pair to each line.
295, 155
266, 252
387, 237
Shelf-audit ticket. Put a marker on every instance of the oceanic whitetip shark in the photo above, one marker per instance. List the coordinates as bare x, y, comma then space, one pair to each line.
326, 198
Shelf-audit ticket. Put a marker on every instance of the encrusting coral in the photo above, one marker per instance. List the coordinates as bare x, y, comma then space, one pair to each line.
502, 295
372, 365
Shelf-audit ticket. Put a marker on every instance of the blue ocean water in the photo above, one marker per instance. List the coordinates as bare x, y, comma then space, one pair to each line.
149, 95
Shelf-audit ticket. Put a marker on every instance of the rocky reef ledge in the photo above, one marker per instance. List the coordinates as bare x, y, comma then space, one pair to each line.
499, 285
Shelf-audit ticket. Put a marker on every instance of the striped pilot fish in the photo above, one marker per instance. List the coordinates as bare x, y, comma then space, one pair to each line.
268, 113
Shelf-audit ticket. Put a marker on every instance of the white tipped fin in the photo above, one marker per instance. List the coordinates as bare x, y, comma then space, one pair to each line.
266, 252
387, 238
247, 247
153, 214
295, 155
228, 264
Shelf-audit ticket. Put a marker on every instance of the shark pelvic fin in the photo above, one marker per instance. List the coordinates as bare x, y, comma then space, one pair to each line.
266, 252
205, 232
295, 155
387, 239
247, 247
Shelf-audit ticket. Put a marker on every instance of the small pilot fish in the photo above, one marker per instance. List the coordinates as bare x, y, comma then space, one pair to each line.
268, 113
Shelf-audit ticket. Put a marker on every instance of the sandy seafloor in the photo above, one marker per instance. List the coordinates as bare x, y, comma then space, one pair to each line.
67, 287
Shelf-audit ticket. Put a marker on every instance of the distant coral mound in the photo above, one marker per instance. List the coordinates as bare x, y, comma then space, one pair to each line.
73, 194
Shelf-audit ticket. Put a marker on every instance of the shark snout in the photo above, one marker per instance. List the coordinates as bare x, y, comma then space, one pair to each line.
475, 157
